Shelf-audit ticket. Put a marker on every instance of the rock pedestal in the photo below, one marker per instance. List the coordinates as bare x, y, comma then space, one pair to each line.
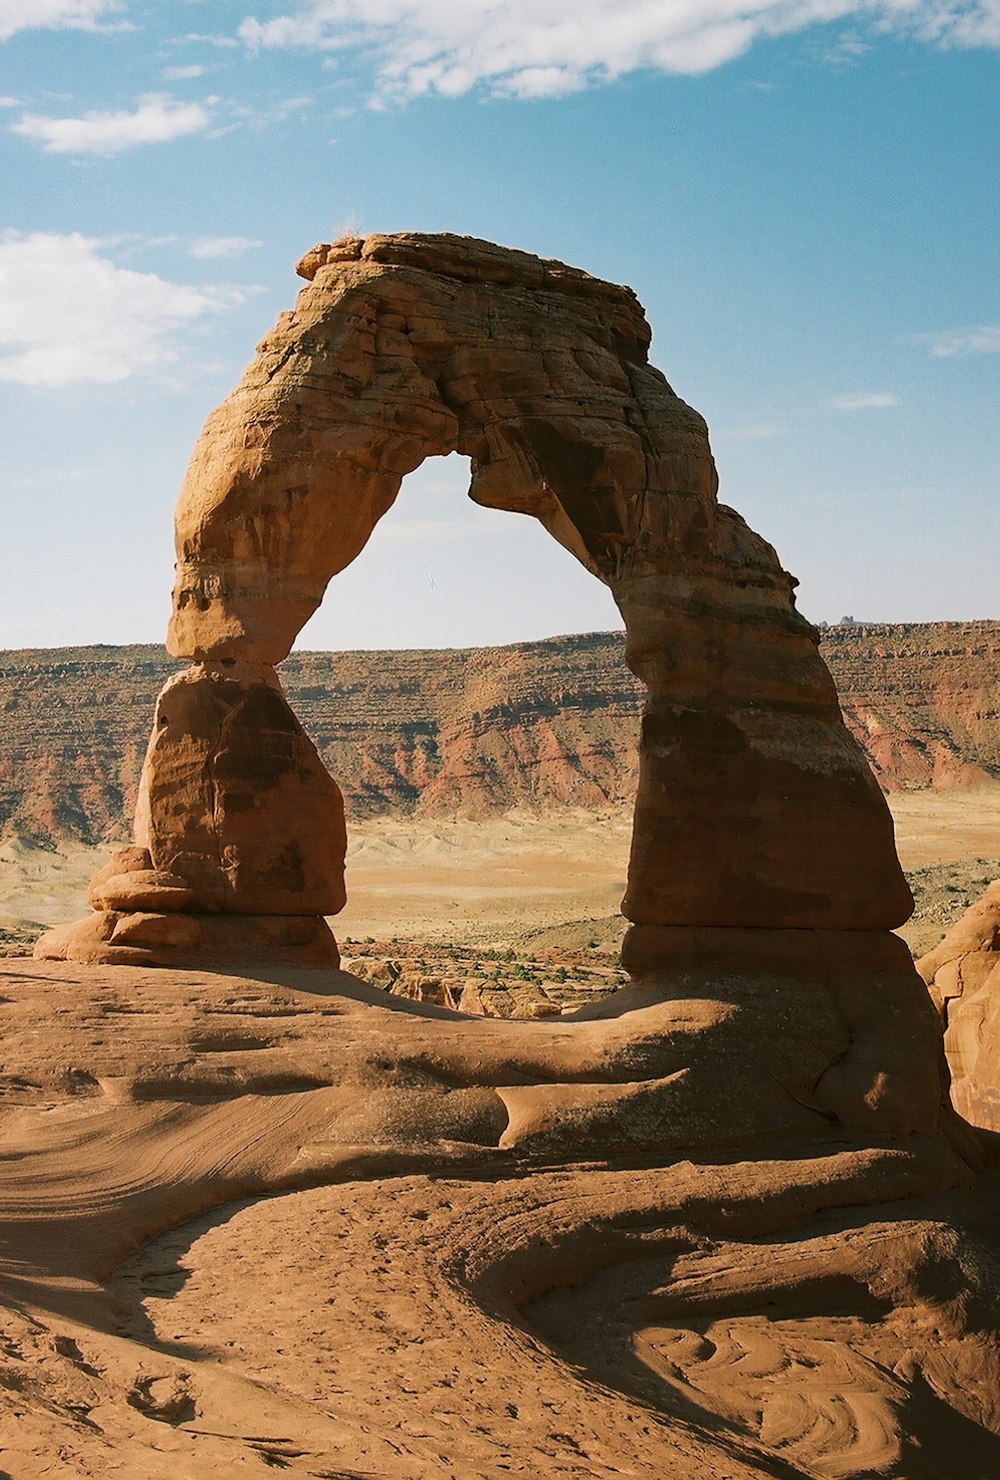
240, 837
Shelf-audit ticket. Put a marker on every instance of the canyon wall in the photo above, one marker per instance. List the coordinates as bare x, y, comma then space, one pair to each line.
474, 730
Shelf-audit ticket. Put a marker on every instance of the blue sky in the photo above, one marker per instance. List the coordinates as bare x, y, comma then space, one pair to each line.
804, 194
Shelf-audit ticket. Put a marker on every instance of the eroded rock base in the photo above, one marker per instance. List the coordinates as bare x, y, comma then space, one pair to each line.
146, 938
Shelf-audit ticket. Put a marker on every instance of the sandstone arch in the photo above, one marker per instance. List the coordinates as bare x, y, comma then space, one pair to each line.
755, 808
717, 1130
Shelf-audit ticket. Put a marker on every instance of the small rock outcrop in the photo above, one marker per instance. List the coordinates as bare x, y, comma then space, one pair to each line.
963, 977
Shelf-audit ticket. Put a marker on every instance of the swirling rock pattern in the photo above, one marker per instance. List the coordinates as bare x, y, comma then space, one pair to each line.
285, 1221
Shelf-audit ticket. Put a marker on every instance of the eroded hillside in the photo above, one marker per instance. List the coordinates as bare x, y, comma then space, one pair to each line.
473, 731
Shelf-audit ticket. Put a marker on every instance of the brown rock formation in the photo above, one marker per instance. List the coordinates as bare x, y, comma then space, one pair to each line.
474, 731
963, 976
755, 806
709, 1142
756, 816
235, 800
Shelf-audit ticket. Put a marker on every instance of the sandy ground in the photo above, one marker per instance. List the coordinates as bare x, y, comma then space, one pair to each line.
495, 879
433, 879
946, 826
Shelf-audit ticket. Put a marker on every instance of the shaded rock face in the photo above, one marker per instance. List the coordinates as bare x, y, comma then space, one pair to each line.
755, 806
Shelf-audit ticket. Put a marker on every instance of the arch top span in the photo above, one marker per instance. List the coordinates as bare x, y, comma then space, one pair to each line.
405, 347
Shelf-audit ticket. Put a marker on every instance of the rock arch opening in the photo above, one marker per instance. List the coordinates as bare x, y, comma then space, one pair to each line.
755, 809
440, 571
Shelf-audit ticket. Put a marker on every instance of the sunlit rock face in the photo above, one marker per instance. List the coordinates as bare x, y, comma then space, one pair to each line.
235, 799
755, 806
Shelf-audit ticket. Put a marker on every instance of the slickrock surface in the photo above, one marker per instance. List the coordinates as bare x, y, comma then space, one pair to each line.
278, 1220
473, 732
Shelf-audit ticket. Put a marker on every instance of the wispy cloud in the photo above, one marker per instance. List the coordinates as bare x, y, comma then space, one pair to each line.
156, 120
983, 339
222, 246
543, 48
846, 51
56, 15
69, 313
195, 37
184, 74
262, 115
863, 401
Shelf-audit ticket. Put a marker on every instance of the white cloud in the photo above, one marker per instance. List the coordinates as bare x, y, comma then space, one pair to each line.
984, 339
53, 15
277, 112
543, 48
183, 74
222, 246
70, 314
156, 120
865, 401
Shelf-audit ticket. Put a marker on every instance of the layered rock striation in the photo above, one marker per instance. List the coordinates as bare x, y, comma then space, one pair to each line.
475, 731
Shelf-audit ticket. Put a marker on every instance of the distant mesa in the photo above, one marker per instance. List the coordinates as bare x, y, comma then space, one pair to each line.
475, 732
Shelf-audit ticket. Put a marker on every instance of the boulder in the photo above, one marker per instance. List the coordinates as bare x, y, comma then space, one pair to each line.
963, 977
